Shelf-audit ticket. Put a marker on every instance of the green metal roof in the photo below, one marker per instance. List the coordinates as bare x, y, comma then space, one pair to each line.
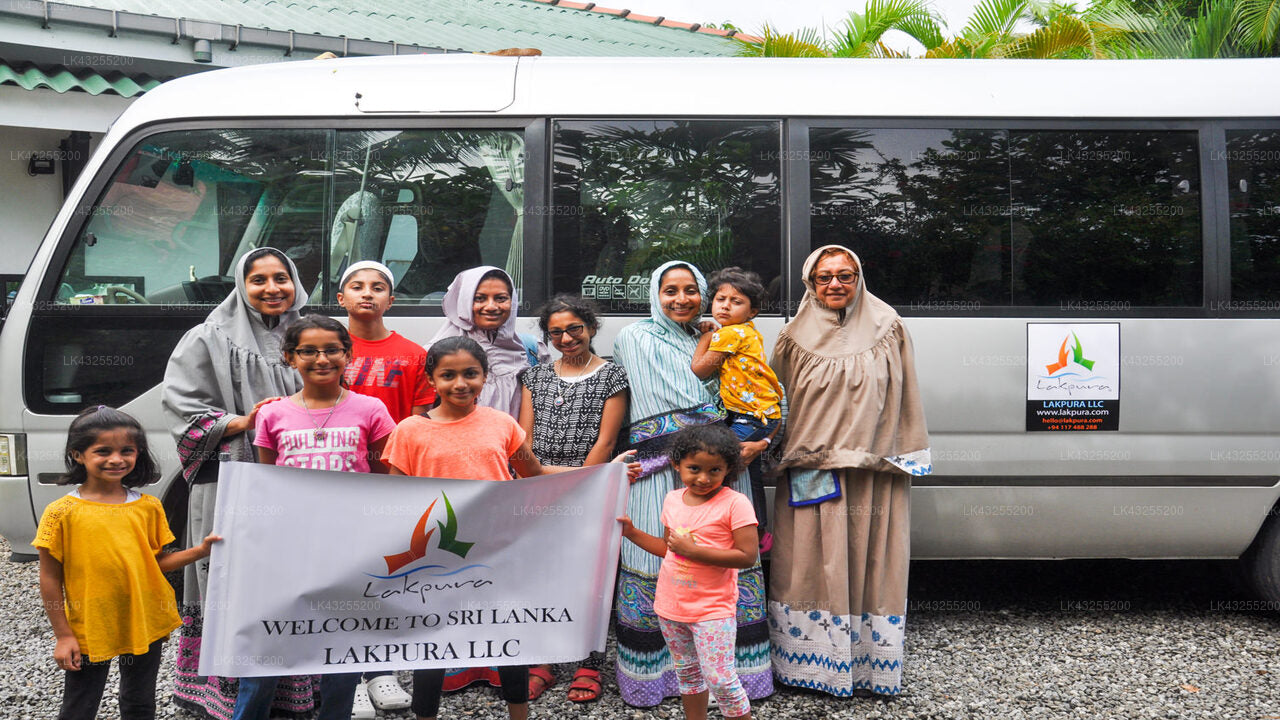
470, 25
60, 79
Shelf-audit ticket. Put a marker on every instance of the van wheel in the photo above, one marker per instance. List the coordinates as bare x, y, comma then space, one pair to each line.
1262, 560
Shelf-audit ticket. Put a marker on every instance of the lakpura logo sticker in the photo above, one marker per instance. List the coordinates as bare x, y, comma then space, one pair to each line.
1077, 356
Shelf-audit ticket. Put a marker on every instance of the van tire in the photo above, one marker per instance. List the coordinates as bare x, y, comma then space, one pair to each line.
1261, 562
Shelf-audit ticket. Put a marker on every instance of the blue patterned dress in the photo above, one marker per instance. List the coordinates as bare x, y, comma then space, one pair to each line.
667, 396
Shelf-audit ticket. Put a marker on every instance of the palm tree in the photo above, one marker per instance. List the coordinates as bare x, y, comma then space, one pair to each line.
860, 36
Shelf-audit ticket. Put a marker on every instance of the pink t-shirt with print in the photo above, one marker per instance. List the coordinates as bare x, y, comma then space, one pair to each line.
341, 444
690, 591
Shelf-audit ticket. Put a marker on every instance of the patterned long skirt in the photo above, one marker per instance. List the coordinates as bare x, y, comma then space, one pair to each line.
838, 586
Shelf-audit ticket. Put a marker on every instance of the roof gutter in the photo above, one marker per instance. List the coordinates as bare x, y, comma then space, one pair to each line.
178, 29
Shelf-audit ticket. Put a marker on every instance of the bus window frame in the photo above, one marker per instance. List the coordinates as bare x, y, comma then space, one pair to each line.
1214, 231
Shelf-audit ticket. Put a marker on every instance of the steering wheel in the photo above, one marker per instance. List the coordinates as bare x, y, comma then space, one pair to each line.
112, 292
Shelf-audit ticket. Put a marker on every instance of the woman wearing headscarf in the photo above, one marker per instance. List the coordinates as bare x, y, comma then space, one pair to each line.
855, 435
478, 304
218, 375
665, 397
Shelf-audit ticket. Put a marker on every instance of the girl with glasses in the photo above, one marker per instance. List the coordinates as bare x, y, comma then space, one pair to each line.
573, 409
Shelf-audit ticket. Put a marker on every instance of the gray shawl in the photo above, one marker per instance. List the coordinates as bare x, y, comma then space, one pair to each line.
220, 369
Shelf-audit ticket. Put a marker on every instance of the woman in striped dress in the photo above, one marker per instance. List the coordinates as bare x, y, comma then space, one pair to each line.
666, 396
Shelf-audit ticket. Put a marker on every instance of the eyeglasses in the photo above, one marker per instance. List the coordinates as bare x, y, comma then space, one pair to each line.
310, 353
844, 278
573, 330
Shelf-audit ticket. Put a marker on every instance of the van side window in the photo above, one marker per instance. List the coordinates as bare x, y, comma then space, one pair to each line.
631, 195
184, 205
1253, 186
971, 219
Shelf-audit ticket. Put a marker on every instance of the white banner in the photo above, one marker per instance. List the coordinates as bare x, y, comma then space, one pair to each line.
323, 572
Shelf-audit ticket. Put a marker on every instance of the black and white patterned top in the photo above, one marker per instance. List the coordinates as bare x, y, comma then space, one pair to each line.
566, 415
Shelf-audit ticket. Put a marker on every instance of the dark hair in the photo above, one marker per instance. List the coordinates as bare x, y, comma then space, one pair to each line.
314, 321
84, 432
255, 255
744, 281
576, 304
501, 275
452, 346
713, 438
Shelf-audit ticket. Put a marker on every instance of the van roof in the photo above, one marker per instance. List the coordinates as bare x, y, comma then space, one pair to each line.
462, 84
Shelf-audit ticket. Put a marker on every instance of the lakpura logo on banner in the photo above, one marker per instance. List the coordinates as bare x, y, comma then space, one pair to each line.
419, 546
1072, 371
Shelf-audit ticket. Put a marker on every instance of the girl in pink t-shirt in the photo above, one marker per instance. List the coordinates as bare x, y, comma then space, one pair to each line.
710, 533
457, 438
324, 426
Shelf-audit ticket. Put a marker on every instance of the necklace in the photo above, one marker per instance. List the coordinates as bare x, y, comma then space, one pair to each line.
561, 382
319, 433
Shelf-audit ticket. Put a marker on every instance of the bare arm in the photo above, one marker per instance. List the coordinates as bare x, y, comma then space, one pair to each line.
267, 456
375, 455
741, 555
240, 423
66, 650
526, 411
182, 558
649, 543
706, 362
615, 408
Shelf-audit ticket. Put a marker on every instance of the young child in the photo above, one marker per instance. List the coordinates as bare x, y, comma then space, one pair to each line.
102, 567
457, 438
710, 532
750, 390
383, 363
321, 427
391, 368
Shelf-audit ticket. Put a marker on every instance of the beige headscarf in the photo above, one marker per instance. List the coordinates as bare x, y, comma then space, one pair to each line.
851, 384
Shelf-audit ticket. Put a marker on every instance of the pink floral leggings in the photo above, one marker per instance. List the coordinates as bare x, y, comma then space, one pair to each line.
703, 654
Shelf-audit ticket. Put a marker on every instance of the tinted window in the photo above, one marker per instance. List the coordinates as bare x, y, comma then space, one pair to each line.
1253, 180
966, 219
629, 196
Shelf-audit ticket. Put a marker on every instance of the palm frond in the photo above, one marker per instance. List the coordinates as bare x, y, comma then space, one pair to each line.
805, 42
995, 18
1064, 36
1259, 23
862, 31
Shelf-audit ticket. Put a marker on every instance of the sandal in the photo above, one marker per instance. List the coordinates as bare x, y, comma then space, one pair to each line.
543, 673
588, 680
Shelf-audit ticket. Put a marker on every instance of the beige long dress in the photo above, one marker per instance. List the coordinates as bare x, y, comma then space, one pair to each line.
838, 586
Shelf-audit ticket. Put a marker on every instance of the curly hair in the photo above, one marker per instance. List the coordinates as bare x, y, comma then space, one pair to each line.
714, 439
744, 281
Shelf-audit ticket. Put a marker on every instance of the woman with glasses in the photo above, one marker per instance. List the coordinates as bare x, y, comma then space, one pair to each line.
855, 435
573, 409
219, 375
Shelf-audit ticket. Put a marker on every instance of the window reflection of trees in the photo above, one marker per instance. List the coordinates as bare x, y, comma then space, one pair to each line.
1253, 188
629, 196
974, 217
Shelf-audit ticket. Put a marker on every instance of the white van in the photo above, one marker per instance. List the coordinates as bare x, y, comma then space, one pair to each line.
1122, 213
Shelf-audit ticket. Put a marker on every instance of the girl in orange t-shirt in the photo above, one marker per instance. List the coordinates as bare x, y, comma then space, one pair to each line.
457, 438
102, 567
710, 532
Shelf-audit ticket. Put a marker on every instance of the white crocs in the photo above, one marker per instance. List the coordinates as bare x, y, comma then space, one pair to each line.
361, 708
387, 694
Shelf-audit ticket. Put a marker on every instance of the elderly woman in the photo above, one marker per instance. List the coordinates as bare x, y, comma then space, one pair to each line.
666, 396
219, 374
855, 435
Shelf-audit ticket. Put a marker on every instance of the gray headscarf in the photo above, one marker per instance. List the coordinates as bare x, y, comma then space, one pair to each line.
221, 368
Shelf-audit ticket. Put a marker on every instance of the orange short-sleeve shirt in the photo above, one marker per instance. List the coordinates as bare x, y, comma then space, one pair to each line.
690, 591
477, 447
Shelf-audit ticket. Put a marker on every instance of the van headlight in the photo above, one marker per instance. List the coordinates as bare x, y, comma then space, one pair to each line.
13, 454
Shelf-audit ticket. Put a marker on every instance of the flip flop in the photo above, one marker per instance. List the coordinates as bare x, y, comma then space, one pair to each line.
540, 673
588, 680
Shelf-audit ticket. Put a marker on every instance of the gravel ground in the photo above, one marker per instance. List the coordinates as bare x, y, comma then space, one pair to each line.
1000, 640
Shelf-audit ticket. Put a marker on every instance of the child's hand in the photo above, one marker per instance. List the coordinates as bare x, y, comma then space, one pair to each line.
707, 326
633, 465
681, 543
66, 653
206, 547
751, 449
628, 529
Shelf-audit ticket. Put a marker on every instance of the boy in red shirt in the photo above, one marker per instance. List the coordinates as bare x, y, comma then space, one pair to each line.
392, 369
